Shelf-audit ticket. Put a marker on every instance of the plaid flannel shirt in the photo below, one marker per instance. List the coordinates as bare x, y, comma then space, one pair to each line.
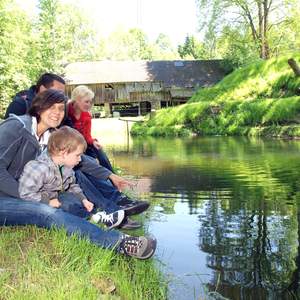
42, 180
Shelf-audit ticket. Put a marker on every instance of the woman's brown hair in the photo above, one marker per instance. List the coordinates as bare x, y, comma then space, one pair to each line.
44, 101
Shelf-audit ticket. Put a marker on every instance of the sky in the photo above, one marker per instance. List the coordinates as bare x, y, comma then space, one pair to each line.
175, 18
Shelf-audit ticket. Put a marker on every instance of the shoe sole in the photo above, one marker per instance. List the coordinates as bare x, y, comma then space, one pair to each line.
153, 244
127, 226
137, 209
130, 227
120, 220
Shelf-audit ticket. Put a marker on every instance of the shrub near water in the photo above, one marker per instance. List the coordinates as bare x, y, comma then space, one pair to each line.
260, 99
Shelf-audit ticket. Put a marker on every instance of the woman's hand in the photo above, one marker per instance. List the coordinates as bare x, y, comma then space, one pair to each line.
119, 182
55, 203
96, 144
88, 205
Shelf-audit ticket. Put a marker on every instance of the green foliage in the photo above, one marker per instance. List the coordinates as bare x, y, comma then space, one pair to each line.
236, 47
60, 34
162, 49
261, 95
14, 49
237, 32
29, 47
191, 49
65, 36
134, 45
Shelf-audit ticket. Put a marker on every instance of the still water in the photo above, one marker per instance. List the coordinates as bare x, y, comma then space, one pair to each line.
225, 212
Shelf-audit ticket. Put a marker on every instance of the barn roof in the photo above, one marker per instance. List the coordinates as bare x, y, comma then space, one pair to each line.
180, 73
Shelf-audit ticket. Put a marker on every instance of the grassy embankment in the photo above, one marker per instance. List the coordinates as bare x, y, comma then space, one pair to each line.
260, 99
40, 264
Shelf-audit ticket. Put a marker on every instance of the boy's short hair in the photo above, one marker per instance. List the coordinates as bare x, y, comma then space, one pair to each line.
82, 91
65, 139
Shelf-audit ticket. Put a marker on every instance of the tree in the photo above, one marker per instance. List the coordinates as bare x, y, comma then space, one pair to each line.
163, 42
65, 35
255, 15
132, 44
49, 40
15, 45
235, 47
191, 49
162, 48
79, 39
138, 45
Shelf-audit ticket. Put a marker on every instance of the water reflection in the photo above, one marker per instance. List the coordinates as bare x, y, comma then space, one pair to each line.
226, 213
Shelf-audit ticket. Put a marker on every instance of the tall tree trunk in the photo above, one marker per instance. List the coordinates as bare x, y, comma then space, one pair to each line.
292, 63
265, 28
263, 12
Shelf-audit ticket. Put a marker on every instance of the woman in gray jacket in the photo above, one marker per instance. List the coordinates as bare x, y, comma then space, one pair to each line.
22, 138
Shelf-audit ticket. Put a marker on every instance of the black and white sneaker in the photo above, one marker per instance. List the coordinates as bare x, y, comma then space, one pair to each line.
110, 220
132, 207
129, 224
137, 246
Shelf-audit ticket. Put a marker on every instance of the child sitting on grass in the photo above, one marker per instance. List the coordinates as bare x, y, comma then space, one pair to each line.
50, 178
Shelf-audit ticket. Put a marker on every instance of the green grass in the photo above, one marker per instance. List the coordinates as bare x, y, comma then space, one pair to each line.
40, 264
250, 101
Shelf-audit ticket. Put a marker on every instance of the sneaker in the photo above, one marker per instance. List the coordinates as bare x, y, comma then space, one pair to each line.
110, 220
124, 200
129, 224
137, 246
132, 207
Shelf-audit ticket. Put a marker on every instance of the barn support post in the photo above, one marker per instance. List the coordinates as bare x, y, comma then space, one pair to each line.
156, 105
107, 110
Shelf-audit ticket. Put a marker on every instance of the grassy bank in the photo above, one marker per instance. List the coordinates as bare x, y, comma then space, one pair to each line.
40, 264
260, 99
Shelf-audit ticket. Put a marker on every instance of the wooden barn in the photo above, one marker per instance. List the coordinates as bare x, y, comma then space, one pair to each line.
143, 85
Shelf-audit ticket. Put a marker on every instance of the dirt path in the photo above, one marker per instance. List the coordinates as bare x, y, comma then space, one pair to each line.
112, 130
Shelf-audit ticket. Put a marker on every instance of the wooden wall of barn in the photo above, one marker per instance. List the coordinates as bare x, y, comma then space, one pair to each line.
134, 92
126, 92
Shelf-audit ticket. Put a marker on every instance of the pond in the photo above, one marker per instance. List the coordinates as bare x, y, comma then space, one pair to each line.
225, 212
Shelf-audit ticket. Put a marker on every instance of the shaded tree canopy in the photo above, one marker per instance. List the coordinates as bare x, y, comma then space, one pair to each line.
268, 26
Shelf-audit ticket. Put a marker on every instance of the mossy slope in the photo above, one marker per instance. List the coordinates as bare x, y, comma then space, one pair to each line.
260, 99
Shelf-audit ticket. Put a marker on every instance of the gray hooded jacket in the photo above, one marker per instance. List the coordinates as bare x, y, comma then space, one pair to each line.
18, 146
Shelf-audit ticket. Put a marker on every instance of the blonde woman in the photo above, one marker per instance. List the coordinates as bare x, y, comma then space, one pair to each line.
78, 112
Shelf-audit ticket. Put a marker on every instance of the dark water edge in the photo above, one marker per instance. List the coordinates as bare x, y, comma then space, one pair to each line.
225, 212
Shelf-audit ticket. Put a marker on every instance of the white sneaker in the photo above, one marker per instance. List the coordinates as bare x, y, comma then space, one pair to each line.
110, 220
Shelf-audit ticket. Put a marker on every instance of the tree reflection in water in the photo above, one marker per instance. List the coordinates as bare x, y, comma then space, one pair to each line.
247, 192
251, 251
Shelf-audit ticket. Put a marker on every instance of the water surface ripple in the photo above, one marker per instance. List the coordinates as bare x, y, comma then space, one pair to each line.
225, 212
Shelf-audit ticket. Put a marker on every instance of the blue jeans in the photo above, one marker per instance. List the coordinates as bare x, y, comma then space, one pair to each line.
70, 203
101, 192
100, 155
14, 212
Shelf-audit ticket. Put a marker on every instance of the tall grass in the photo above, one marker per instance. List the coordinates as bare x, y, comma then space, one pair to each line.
40, 264
251, 100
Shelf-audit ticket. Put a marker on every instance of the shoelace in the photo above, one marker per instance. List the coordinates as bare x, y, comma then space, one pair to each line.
107, 218
132, 245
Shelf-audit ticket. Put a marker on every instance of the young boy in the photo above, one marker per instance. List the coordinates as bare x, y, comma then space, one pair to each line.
50, 178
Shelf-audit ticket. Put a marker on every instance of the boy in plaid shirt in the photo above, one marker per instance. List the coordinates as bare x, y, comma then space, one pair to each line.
50, 178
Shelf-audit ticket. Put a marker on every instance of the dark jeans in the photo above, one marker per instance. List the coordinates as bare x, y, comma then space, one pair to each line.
101, 192
100, 155
70, 203
14, 212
